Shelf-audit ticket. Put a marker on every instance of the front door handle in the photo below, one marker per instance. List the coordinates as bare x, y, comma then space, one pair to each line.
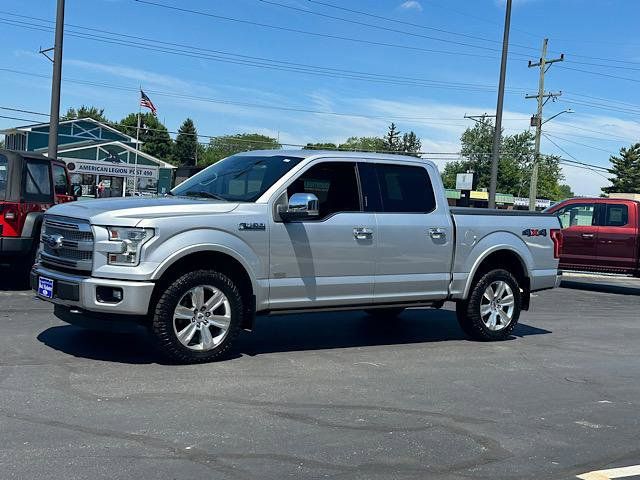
362, 233
437, 233
588, 235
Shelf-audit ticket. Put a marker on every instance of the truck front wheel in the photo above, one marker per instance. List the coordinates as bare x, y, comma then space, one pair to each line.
197, 317
492, 310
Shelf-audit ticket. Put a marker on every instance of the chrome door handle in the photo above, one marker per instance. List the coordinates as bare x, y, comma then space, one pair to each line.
437, 233
588, 235
362, 233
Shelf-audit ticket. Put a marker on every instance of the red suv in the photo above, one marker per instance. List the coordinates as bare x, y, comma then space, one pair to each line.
29, 185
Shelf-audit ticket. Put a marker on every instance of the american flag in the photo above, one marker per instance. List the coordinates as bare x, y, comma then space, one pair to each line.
146, 102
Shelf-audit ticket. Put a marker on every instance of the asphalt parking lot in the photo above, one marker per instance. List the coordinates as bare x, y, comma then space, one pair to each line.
330, 396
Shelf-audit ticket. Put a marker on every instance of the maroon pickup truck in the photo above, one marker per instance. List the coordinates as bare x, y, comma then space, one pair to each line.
600, 235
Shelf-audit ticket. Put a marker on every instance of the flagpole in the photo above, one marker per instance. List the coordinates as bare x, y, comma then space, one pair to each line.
135, 165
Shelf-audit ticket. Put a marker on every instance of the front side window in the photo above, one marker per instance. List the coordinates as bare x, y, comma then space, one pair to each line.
577, 215
238, 178
335, 185
60, 183
405, 189
617, 215
37, 181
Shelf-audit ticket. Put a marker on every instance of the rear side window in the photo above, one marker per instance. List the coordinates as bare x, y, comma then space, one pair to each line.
60, 183
405, 189
617, 215
37, 181
577, 215
4, 176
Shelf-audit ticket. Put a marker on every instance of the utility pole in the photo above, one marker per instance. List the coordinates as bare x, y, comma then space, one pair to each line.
543, 98
497, 134
52, 151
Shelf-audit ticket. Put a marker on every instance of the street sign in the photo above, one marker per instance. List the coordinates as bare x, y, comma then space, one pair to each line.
464, 181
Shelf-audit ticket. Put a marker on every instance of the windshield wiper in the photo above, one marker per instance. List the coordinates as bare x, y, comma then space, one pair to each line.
202, 193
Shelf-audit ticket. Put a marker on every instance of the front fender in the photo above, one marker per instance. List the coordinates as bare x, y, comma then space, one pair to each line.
206, 240
478, 252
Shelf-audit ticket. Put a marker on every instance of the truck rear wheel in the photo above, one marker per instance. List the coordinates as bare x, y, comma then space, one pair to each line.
197, 317
492, 310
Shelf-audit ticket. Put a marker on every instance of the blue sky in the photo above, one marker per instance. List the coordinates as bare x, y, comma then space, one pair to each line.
424, 77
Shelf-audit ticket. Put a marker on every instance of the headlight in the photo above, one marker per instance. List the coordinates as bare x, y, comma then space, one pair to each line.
129, 243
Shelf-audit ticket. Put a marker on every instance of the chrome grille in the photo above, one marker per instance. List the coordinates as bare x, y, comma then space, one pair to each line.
67, 243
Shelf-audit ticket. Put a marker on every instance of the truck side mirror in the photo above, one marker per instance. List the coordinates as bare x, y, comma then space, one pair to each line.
301, 206
77, 191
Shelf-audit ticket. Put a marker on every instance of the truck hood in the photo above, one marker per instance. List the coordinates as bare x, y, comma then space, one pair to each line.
129, 211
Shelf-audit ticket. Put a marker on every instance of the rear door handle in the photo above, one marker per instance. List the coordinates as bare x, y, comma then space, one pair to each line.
362, 233
437, 233
588, 235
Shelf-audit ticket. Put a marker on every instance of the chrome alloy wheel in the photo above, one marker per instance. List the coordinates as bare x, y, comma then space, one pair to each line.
497, 306
202, 318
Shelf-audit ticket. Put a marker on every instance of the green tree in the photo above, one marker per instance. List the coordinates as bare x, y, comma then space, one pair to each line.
363, 144
226, 145
153, 134
320, 146
185, 149
625, 170
565, 192
514, 168
85, 112
411, 144
393, 140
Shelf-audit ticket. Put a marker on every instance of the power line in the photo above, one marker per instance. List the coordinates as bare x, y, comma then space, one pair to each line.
419, 119
581, 144
19, 119
280, 65
608, 75
570, 155
23, 111
305, 32
379, 27
402, 22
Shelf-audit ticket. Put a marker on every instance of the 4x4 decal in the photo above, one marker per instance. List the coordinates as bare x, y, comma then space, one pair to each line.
535, 232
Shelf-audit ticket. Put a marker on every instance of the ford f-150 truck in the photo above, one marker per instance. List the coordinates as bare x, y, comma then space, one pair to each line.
290, 231
600, 234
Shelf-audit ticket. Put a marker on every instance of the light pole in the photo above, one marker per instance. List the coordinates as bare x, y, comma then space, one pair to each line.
557, 115
54, 121
497, 134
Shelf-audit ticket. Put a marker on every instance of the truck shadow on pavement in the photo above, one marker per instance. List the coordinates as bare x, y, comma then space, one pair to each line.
12, 280
287, 333
603, 287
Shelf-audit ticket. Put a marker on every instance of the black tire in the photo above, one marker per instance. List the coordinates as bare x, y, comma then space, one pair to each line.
162, 328
382, 313
468, 312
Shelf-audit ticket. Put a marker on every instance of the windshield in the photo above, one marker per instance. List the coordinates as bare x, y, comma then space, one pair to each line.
4, 176
238, 178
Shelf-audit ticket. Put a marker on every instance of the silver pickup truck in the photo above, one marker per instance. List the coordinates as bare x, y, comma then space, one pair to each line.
271, 232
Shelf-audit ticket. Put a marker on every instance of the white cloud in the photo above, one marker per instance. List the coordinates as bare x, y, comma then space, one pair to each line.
143, 76
411, 5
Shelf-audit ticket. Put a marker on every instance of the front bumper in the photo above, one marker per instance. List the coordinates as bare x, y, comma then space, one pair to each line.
79, 292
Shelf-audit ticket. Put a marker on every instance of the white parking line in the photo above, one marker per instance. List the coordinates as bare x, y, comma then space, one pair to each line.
611, 473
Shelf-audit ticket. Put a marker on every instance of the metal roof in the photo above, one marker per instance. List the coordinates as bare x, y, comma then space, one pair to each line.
28, 128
